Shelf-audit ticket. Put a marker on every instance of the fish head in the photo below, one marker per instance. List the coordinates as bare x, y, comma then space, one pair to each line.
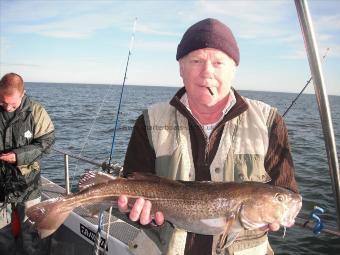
272, 205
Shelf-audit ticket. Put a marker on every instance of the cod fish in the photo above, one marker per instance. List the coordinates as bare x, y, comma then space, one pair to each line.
209, 208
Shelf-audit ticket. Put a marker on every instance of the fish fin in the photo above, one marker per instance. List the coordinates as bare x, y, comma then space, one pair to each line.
214, 223
49, 215
90, 178
91, 210
223, 237
143, 176
152, 177
95, 209
230, 233
86, 180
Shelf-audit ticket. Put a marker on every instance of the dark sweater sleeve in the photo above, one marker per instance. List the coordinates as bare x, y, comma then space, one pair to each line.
278, 161
140, 156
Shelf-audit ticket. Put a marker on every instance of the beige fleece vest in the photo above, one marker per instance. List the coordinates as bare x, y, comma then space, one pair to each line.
240, 157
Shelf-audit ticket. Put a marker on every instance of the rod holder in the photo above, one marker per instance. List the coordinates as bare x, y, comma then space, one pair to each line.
67, 175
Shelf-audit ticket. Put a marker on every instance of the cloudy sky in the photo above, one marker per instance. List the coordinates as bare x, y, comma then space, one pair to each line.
86, 41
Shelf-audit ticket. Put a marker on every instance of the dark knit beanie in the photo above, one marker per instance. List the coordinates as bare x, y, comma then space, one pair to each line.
209, 33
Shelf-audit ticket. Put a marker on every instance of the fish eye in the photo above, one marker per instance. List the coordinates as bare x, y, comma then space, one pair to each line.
279, 197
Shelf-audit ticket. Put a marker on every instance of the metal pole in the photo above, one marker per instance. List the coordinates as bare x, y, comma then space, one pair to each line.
322, 98
115, 169
77, 157
67, 176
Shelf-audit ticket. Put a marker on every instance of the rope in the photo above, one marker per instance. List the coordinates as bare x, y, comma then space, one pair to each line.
96, 243
86, 139
108, 231
94, 121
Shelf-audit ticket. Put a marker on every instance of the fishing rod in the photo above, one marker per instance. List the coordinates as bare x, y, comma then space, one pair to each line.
122, 90
98, 235
303, 89
78, 157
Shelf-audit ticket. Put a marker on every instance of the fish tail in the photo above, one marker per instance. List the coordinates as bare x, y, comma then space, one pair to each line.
49, 215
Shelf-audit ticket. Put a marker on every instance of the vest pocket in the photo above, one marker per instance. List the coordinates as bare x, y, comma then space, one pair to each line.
175, 166
250, 167
26, 169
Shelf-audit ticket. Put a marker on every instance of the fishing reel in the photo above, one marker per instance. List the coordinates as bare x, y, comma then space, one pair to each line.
114, 168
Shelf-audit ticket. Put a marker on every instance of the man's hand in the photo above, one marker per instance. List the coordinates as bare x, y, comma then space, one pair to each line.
271, 227
9, 157
274, 226
141, 211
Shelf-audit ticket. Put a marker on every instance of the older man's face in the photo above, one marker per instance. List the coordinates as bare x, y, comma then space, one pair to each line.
207, 68
10, 102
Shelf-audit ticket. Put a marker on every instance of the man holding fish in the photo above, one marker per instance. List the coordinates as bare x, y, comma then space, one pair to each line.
211, 168
210, 133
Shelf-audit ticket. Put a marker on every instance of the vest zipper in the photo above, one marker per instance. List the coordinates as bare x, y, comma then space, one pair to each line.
206, 150
206, 156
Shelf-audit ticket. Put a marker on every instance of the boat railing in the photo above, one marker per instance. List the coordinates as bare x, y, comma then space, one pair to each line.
115, 168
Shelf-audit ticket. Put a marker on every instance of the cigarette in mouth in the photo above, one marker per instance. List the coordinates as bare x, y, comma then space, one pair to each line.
210, 91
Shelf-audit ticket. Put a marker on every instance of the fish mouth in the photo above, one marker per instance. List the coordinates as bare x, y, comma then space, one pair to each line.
290, 215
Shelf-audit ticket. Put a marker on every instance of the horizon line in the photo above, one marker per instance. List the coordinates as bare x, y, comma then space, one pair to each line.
168, 86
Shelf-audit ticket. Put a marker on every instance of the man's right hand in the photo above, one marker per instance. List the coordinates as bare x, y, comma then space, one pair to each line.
9, 157
141, 210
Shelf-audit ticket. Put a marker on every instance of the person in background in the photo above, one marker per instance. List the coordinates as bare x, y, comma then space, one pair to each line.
209, 132
26, 132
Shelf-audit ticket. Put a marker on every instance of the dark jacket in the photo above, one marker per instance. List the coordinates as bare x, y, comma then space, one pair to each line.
29, 134
140, 157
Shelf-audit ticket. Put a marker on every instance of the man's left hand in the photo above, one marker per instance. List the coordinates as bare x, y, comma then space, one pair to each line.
271, 227
9, 157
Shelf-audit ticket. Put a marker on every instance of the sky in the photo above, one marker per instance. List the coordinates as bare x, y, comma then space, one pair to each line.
87, 41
